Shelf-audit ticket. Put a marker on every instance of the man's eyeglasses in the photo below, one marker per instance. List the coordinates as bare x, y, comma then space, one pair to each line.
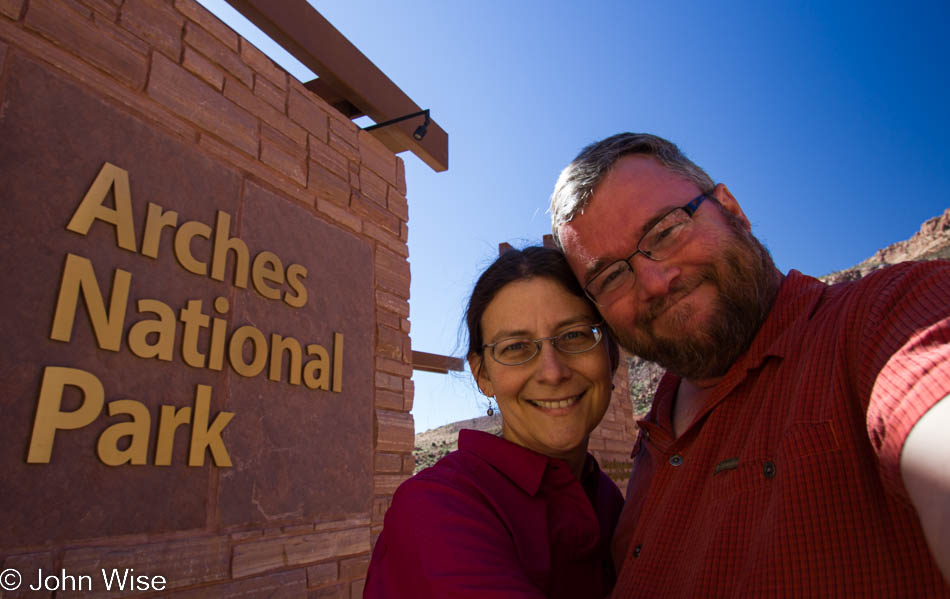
575, 340
659, 243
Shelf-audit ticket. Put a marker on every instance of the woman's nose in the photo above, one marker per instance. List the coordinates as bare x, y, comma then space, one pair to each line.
551, 367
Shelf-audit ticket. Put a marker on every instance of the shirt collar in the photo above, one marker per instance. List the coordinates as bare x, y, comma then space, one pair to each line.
796, 300
524, 467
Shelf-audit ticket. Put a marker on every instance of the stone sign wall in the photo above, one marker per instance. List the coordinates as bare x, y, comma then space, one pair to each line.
206, 361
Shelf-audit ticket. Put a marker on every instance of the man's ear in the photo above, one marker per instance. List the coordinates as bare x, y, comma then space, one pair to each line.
730, 205
481, 378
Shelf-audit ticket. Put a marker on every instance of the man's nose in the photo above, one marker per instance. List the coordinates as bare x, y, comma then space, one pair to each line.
653, 277
551, 367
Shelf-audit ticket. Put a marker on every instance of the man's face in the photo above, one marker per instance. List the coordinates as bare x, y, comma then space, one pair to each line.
695, 312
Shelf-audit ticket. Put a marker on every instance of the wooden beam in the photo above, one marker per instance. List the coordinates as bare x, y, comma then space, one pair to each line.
435, 363
312, 40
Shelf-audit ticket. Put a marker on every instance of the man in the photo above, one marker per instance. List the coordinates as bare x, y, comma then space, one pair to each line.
799, 444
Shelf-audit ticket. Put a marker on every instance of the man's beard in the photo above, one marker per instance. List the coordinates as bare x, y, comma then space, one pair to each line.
745, 277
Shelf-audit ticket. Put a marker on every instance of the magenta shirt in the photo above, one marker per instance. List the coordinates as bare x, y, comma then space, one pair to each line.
495, 520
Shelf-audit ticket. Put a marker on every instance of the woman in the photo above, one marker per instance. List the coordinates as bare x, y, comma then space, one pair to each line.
529, 514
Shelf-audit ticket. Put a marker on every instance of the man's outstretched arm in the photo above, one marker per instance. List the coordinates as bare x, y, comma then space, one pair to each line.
925, 468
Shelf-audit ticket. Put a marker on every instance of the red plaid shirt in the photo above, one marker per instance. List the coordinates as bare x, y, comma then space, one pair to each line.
788, 482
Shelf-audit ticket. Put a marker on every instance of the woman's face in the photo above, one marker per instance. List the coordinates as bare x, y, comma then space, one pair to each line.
551, 403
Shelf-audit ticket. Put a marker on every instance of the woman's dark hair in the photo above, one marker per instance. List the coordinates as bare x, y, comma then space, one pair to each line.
516, 265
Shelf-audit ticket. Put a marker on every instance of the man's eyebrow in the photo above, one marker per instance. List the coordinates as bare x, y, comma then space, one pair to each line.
600, 263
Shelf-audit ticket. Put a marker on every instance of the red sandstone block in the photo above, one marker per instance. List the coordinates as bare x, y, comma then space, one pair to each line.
282, 154
377, 157
187, 96
354, 170
346, 129
397, 204
391, 261
322, 574
387, 462
11, 8
388, 382
3, 55
327, 185
304, 111
252, 165
339, 215
356, 588
182, 562
104, 8
408, 394
386, 484
408, 463
404, 233
393, 282
386, 238
329, 158
372, 211
61, 23
325, 545
270, 93
400, 176
25, 564
280, 585
373, 186
390, 400
397, 367
336, 591
246, 534
204, 68
392, 302
244, 97
353, 521
595, 444
380, 505
621, 447
407, 346
389, 342
386, 318
156, 23
253, 558
207, 21
217, 52
607, 433
395, 431
354, 567
259, 61
107, 27
405, 326
296, 529
339, 143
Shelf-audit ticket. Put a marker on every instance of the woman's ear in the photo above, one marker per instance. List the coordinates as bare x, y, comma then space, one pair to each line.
481, 378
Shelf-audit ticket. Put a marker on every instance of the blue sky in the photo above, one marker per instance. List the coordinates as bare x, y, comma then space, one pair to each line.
828, 121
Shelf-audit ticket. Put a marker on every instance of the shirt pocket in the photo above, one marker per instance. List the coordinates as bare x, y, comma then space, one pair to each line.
800, 451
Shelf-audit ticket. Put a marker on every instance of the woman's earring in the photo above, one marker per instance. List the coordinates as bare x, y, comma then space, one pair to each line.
491, 409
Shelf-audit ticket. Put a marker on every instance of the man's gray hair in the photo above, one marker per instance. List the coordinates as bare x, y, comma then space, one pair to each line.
576, 184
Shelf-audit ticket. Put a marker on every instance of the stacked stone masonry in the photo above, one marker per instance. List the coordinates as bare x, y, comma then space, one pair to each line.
178, 69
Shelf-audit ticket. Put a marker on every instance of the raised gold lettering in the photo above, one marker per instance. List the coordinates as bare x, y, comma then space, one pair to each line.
203, 436
194, 320
278, 345
337, 362
78, 275
169, 421
91, 208
295, 275
138, 429
236, 351
316, 372
155, 220
218, 331
267, 267
163, 328
223, 242
49, 417
183, 237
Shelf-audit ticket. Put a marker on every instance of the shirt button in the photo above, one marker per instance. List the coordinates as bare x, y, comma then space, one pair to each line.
768, 470
636, 550
676, 459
